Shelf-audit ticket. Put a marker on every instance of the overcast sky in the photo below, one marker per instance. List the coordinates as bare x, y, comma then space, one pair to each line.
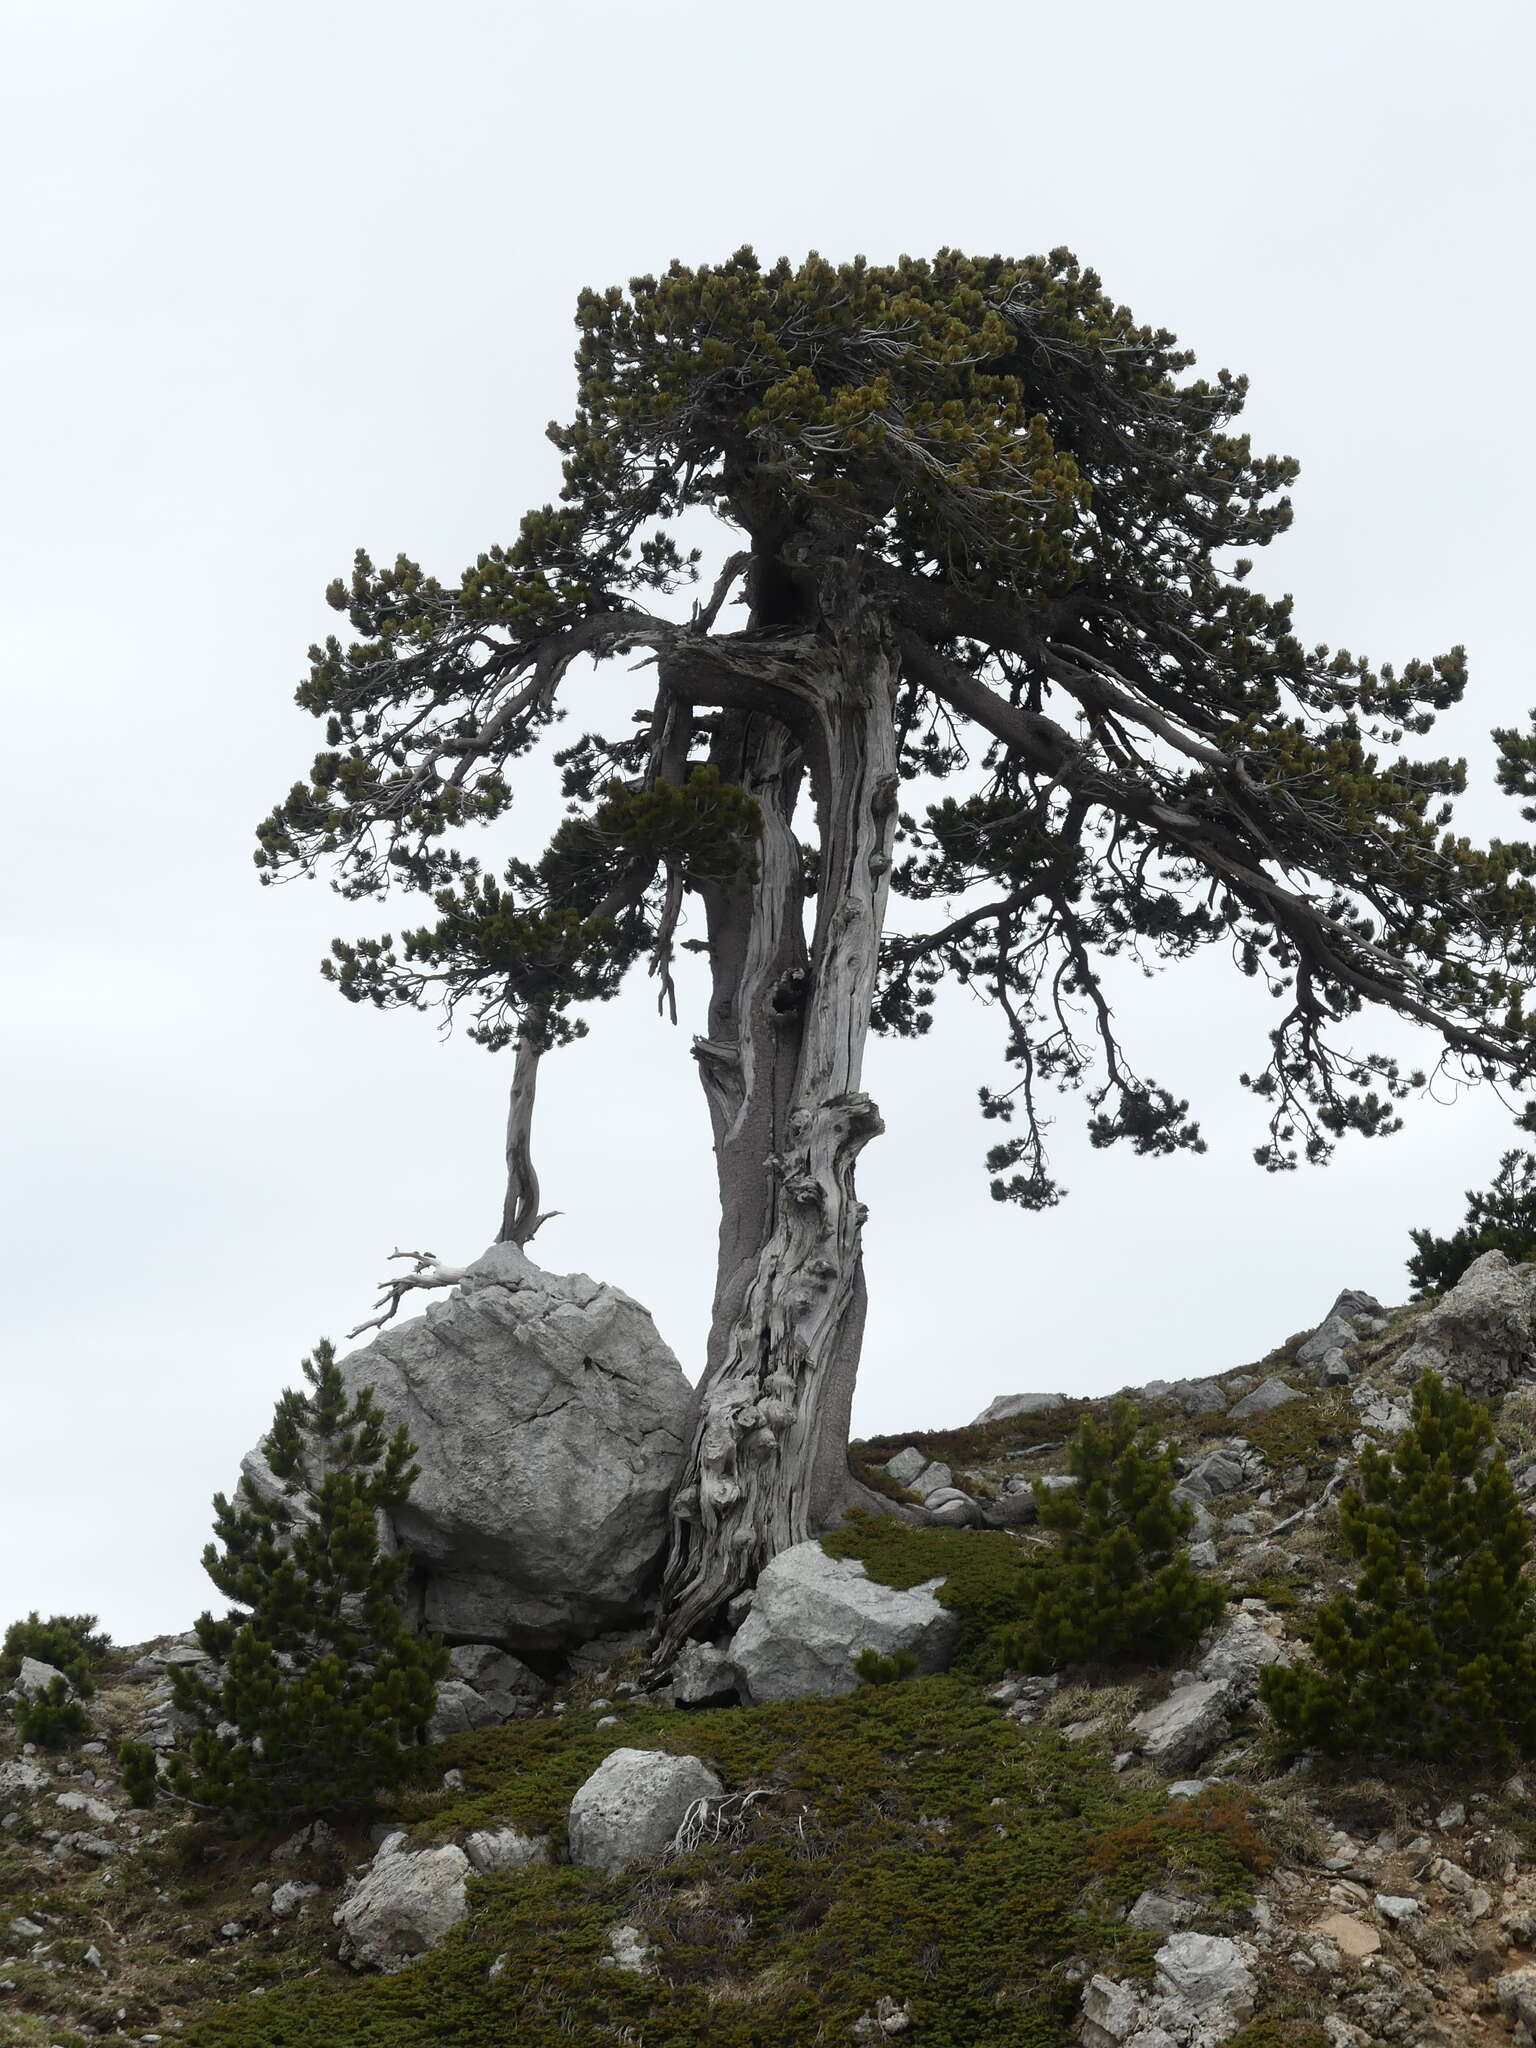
280, 280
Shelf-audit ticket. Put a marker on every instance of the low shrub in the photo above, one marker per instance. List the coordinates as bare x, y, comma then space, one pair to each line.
52, 1718
69, 1642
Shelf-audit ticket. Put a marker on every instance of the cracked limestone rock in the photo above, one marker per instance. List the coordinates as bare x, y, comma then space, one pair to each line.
1482, 1335
1272, 1393
632, 1805
1006, 1406
499, 1849
1186, 1726
405, 1905
1203, 1992
812, 1615
549, 1420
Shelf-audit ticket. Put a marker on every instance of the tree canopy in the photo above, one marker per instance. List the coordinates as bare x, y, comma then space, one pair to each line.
1001, 644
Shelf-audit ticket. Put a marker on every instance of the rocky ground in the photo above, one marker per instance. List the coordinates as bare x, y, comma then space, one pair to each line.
766, 1850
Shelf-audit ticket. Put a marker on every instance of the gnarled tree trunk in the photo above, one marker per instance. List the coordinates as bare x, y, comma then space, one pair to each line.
767, 1462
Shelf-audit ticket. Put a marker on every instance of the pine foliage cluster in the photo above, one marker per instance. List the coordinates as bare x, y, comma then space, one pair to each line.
1501, 1218
321, 1694
1433, 1652
1120, 1585
71, 1643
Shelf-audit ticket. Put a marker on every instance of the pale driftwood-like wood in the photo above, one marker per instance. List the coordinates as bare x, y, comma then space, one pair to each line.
758, 1473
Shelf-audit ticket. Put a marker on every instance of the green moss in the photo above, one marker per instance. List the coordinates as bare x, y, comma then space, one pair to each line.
1214, 1840
913, 1842
985, 1572
1311, 1432
1280, 2030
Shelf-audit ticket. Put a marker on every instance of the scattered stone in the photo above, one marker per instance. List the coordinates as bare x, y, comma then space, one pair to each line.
1397, 1908
1206, 1970
703, 1676
1184, 1727
629, 1950
312, 1840
405, 1905
906, 1465
290, 1896
33, 1677
1354, 1315
93, 1809
503, 1680
1007, 1406
1380, 1412
1240, 1653
497, 1849
632, 1805
1187, 1788
1351, 1937
1271, 1394
549, 1419
20, 1780
812, 1615
886, 2021
1216, 1473
459, 1709
23, 1929
1161, 1912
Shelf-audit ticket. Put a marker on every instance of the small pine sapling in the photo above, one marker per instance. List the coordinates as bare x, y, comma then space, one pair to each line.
53, 1718
875, 1669
321, 1694
1433, 1655
140, 1767
1120, 1584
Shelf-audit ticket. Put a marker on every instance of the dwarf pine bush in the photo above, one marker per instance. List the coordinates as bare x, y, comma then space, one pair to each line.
321, 1694
71, 1643
1433, 1654
53, 1718
1120, 1584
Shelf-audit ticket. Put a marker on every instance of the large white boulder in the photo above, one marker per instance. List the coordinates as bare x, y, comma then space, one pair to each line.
632, 1805
549, 1419
408, 1901
811, 1617
1482, 1335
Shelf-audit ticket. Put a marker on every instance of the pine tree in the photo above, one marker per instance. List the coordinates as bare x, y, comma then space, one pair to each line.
1500, 1219
322, 1693
1120, 1584
992, 544
1433, 1654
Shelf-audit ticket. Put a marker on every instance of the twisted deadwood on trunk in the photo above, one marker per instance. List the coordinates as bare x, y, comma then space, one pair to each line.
757, 1461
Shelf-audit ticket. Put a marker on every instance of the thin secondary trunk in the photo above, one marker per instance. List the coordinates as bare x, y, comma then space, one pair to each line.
767, 1463
520, 1216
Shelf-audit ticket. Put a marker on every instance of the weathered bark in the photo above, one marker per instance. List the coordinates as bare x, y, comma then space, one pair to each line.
520, 1216
750, 1056
768, 1456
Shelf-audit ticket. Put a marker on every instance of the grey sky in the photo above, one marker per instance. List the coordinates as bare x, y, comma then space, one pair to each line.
281, 280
